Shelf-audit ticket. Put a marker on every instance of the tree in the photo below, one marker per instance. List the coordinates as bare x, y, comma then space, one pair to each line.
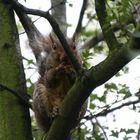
15, 119
120, 34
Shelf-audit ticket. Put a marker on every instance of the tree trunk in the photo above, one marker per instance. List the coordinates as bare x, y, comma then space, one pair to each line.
59, 13
15, 123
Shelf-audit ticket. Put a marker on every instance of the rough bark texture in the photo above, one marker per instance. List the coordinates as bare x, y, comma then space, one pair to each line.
14, 116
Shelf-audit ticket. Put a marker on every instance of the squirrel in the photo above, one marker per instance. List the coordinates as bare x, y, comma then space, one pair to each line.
57, 76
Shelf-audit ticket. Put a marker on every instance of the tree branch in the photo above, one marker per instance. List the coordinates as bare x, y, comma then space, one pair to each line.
79, 25
56, 29
86, 83
25, 100
107, 111
105, 25
32, 32
100, 126
91, 42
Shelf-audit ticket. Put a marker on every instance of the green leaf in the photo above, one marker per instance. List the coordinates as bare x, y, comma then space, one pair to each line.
93, 96
125, 91
110, 86
129, 131
30, 61
92, 106
115, 133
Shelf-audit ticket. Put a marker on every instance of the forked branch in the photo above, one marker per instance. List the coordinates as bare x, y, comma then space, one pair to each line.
55, 27
109, 36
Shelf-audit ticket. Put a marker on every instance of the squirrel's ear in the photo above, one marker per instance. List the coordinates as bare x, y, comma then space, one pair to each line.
53, 37
72, 42
73, 38
54, 41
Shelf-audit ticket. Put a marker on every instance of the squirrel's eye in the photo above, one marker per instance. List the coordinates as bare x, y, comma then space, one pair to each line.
74, 47
54, 46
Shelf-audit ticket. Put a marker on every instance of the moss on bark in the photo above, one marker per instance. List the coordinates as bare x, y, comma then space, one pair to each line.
14, 116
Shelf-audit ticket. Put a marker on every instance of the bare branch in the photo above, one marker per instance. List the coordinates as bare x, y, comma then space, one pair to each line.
105, 25
93, 41
100, 126
79, 25
107, 111
25, 100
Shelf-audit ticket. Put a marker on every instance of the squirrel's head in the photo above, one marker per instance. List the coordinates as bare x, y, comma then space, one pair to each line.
55, 54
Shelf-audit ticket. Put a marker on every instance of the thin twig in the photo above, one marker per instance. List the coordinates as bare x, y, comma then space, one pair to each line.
100, 126
100, 6
21, 33
36, 20
79, 25
93, 41
24, 58
32, 23
107, 111
20, 97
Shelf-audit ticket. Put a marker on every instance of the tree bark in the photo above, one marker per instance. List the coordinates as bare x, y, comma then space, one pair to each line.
59, 13
15, 120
